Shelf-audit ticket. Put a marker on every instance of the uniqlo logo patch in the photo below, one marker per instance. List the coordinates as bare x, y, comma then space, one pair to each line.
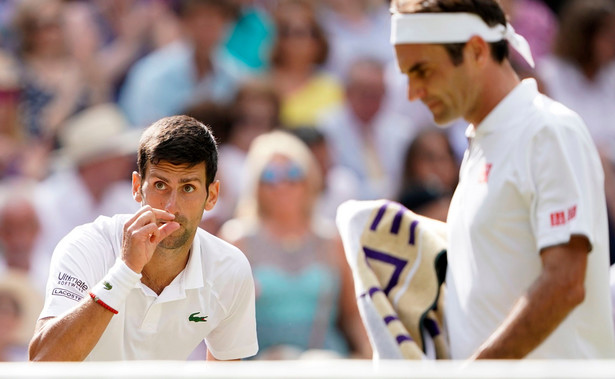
572, 212
558, 218
562, 217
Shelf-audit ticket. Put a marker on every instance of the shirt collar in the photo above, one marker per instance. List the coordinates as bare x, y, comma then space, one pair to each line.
189, 278
193, 273
506, 110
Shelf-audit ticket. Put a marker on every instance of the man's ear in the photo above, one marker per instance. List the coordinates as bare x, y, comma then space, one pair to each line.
212, 196
136, 187
478, 50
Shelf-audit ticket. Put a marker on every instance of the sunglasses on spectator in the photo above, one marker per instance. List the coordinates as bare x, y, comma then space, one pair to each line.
286, 172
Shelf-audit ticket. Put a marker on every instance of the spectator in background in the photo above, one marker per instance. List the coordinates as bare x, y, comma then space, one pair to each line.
20, 231
430, 174
304, 291
19, 155
55, 85
581, 71
12, 136
252, 35
20, 305
300, 50
117, 33
186, 72
536, 22
339, 183
10, 319
356, 29
254, 111
92, 175
366, 136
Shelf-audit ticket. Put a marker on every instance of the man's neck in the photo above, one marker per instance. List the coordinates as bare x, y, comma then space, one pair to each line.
164, 266
497, 82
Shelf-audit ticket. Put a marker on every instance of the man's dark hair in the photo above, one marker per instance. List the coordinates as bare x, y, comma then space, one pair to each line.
488, 10
179, 140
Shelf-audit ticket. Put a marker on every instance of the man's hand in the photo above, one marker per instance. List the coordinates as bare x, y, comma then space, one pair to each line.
142, 234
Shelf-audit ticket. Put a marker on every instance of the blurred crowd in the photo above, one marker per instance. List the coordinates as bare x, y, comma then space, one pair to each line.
309, 110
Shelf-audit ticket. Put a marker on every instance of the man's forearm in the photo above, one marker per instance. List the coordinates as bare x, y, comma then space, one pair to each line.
534, 317
70, 337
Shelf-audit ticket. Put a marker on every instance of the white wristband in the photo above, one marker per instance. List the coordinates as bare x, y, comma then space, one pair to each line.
113, 289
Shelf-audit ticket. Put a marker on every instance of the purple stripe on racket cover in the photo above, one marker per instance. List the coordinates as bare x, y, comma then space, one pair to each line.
397, 221
403, 338
378, 217
431, 326
373, 290
390, 318
398, 263
413, 231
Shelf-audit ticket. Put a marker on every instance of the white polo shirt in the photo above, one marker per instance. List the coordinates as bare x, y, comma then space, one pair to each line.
212, 299
530, 179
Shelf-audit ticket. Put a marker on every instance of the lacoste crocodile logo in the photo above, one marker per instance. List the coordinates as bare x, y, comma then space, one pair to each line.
107, 286
195, 318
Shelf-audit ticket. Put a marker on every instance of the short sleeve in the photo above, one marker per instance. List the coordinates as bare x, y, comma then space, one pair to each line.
568, 184
75, 267
235, 336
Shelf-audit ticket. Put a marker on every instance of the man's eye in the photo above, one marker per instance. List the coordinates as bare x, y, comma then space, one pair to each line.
189, 188
159, 185
419, 74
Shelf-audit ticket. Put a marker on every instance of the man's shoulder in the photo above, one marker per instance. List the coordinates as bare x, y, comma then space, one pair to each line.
548, 114
216, 250
102, 229
110, 224
225, 268
95, 244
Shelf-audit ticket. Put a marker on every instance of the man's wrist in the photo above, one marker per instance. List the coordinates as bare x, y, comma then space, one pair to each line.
111, 292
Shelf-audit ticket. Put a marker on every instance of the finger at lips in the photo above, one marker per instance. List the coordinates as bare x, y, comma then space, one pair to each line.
162, 215
167, 229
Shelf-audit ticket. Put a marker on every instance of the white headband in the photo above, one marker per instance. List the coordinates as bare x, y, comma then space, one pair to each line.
453, 28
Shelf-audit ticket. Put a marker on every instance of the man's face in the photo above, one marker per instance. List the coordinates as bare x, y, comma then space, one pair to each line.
448, 91
178, 189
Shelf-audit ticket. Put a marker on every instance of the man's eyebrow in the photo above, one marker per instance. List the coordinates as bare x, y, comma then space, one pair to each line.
182, 180
158, 176
191, 179
416, 67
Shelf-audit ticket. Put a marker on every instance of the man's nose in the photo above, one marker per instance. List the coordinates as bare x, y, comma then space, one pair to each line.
171, 203
415, 91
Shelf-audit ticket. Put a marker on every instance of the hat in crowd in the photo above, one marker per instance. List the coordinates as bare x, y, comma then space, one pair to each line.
19, 286
99, 132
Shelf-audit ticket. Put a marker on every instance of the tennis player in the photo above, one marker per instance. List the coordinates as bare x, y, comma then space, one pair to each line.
528, 245
152, 285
